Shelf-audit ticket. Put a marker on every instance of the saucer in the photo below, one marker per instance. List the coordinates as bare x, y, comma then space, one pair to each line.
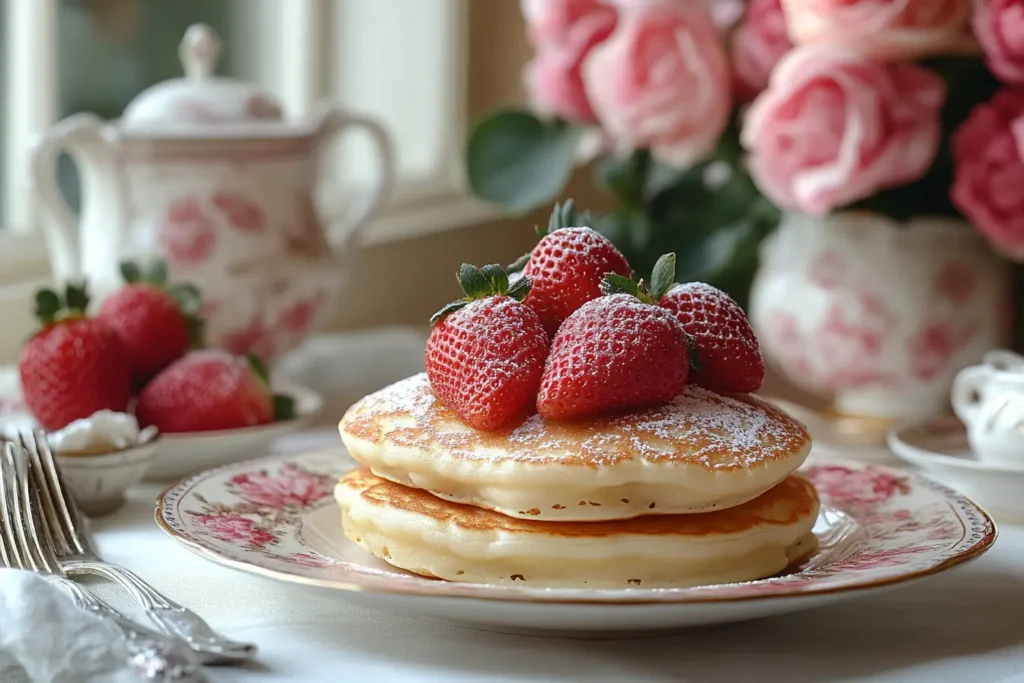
843, 436
939, 449
276, 517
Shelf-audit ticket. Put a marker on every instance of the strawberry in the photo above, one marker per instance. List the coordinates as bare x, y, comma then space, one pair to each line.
486, 352
730, 356
567, 266
209, 391
615, 352
74, 365
157, 324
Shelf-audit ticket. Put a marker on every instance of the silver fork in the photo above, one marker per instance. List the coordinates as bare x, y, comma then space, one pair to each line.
76, 556
24, 544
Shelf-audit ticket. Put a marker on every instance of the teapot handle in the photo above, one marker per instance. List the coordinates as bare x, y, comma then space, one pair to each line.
334, 121
72, 134
968, 394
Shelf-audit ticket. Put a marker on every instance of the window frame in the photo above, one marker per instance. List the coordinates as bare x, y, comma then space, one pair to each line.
299, 70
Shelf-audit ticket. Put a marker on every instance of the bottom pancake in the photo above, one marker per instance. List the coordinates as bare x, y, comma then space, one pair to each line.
415, 531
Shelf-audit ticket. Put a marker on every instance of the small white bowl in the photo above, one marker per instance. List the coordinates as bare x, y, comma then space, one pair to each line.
939, 449
182, 455
99, 481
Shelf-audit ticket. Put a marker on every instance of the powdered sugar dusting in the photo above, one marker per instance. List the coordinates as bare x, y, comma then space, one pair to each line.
698, 427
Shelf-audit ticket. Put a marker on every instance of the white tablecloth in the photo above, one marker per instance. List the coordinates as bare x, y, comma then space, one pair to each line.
966, 626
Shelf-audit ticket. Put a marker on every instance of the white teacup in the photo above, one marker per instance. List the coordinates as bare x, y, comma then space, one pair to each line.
989, 399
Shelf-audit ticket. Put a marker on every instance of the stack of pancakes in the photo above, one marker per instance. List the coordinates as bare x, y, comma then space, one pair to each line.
696, 491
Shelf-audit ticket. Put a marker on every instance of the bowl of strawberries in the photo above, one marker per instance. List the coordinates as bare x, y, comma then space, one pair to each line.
141, 353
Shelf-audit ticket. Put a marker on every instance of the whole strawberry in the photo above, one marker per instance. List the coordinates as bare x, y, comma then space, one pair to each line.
567, 267
157, 324
210, 391
485, 354
73, 366
730, 356
618, 351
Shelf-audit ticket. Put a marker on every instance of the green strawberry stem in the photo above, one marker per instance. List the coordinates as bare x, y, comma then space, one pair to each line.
284, 408
480, 283
52, 307
662, 279
563, 216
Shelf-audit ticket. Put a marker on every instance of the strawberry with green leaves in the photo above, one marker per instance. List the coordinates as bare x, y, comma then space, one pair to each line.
74, 365
568, 265
211, 390
486, 352
729, 352
157, 323
616, 352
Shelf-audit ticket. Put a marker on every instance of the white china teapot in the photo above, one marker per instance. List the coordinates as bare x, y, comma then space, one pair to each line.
205, 173
989, 399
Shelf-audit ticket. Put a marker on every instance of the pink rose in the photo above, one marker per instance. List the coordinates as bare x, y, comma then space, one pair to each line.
990, 171
290, 487
833, 128
563, 33
662, 81
999, 26
758, 43
881, 28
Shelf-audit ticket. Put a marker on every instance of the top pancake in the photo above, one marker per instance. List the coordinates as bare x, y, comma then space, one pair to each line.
702, 451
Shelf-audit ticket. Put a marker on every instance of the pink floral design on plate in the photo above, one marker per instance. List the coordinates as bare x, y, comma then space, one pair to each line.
288, 487
877, 526
187, 235
861, 487
242, 213
230, 526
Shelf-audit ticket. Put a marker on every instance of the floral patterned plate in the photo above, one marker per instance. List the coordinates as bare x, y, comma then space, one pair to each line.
276, 517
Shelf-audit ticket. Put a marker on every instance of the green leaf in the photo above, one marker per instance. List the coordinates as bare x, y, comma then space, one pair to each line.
473, 282
258, 367
158, 272
284, 408
614, 283
48, 304
130, 272
520, 288
518, 161
446, 309
626, 176
520, 263
76, 296
196, 332
694, 355
497, 278
663, 276
188, 297
565, 216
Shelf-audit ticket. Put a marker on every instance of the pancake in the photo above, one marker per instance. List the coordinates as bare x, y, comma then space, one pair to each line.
418, 532
700, 452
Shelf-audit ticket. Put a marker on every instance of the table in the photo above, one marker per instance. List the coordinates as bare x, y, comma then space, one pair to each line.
966, 626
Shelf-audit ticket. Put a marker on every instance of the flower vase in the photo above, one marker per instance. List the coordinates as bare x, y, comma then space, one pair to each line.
879, 315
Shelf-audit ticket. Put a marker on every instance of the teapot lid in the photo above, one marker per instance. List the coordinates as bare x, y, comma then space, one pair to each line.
200, 99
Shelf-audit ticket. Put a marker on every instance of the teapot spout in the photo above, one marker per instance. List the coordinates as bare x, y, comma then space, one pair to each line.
87, 244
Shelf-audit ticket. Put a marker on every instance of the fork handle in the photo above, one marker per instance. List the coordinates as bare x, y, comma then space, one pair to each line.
154, 656
170, 617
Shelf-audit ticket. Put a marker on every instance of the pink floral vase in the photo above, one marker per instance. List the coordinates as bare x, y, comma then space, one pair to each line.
876, 314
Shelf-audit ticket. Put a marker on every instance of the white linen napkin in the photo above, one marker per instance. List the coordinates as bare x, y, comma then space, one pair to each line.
45, 638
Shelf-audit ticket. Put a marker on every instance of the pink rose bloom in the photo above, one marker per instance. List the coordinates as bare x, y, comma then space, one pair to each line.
999, 26
230, 526
290, 487
990, 171
563, 33
758, 43
662, 80
882, 28
833, 128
